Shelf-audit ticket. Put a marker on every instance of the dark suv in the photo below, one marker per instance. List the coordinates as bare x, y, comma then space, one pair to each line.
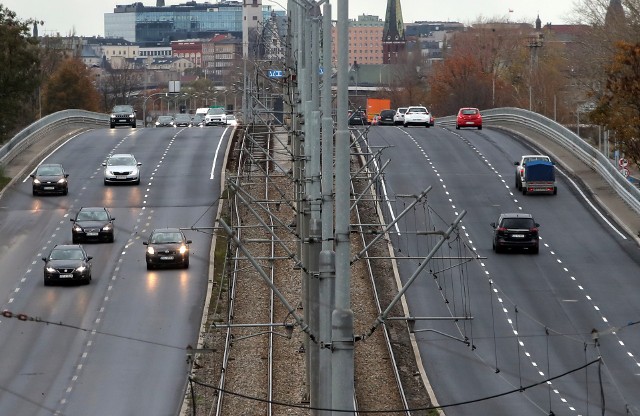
122, 115
515, 230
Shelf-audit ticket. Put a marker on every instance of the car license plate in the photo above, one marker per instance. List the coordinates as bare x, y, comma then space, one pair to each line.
517, 235
469, 122
66, 276
49, 188
166, 258
121, 177
92, 234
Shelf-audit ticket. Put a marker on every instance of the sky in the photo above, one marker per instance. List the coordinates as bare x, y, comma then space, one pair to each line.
86, 17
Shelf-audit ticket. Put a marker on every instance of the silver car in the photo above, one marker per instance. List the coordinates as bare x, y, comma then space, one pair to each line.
122, 168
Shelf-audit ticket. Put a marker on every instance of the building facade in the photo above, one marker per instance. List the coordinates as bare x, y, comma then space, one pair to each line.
365, 40
139, 23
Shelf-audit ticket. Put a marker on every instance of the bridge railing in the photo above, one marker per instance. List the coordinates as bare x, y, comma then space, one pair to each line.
569, 140
56, 123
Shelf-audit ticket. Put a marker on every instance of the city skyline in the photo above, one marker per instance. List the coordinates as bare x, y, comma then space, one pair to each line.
57, 20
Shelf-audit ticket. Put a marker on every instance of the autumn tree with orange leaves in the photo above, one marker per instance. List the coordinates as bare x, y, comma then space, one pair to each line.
619, 106
70, 86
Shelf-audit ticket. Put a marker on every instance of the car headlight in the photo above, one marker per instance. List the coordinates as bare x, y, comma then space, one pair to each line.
50, 269
108, 172
36, 181
61, 181
81, 269
183, 249
113, 116
150, 250
107, 227
77, 228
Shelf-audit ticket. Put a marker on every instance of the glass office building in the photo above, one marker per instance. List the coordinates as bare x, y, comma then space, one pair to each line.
139, 23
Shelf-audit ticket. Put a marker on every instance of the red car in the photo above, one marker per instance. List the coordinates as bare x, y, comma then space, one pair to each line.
469, 117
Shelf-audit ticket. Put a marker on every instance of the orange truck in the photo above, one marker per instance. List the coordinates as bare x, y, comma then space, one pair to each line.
375, 106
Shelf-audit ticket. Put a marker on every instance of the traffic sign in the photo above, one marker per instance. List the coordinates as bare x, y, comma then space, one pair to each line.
625, 172
623, 162
275, 73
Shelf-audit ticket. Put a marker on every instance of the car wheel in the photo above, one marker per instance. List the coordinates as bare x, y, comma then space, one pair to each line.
555, 190
133, 126
112, 126
186, 263
75, 240
87, 280
137, 182
479, 127
535, 250
65, 192
111, 239
498, 249
406, 125
524, 191
149, 266
427, 125
517, 186
457, 127
47, 282
35, 193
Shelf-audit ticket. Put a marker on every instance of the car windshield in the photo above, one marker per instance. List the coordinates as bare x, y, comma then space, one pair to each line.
469, 112
182, 117
169, 237
92, 216
49, 170
387, 113
165, 118
531, 159
66, 254
122, 109
121, 161
519, 223
417, 110
215, 111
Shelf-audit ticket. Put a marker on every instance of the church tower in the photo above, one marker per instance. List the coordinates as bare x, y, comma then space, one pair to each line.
615, 14
393, 40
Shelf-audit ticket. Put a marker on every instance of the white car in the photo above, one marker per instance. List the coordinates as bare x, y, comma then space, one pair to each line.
521, 165
417, 116
122, 168
398, 117
231, 120
215, 116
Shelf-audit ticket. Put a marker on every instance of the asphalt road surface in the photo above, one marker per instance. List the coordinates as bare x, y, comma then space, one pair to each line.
118, 345
533, 315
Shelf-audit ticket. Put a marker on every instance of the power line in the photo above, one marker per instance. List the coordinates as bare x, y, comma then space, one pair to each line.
298, 406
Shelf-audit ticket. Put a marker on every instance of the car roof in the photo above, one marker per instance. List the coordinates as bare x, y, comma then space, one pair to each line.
50, 164
93, 209
67, 246
165, 230
524, 156
515, 215
122, 155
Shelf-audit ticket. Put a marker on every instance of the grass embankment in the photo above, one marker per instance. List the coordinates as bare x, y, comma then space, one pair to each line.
3, 179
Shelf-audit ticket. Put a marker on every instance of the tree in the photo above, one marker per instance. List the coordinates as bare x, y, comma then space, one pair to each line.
619, 106
70, 87
19, 73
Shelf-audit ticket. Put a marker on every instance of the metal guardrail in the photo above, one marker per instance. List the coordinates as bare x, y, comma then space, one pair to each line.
51, 124
567, 139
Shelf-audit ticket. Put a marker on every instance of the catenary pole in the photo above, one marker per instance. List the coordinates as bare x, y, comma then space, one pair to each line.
342, 337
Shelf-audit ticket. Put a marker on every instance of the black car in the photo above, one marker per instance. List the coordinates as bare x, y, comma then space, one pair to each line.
92, 224
182, 120
164, 121
358, 118
167, 247
515, 231
50, 178
386, 118
67, 263
122, 115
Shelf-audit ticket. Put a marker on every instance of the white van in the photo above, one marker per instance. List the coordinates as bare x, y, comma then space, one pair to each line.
202, 110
